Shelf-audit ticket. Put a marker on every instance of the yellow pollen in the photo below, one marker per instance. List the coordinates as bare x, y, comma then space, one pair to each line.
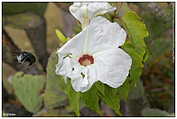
86, 62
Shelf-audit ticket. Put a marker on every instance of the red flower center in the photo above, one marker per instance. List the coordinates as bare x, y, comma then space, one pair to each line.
86, 60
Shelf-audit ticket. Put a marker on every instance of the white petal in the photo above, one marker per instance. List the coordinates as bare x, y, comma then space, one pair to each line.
73, 46
109, 33
113, 66
79, 79
89, 10
92, 74
80, 83
73, 70
64, 67
100, 32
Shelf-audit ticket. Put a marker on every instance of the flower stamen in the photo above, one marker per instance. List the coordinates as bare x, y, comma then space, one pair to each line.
86, 60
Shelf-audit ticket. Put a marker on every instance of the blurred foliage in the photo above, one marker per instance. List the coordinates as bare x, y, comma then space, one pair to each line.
54, 95
158, 75
28, 89
148, 112
52, 113
10, 8
22, 20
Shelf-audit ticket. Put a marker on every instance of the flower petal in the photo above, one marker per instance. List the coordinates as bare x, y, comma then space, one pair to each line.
83, 78
113, 66
80, 85
100, 35
88, 10
107, 33
77, 73
100, 32
64, 67
79, 79
73, 46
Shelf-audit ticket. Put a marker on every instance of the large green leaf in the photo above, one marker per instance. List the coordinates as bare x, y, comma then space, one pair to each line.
27, 89
54, 94
135, 47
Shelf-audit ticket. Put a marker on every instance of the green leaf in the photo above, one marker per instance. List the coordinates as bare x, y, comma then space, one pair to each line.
91, 99
135, 47
135, 26
146, 56
61, 36
27, 89
54, 94
74, 98
110, 97
54, 99
154, 112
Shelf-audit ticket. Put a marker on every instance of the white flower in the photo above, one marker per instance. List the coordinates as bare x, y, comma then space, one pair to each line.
85, 11
93, 55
